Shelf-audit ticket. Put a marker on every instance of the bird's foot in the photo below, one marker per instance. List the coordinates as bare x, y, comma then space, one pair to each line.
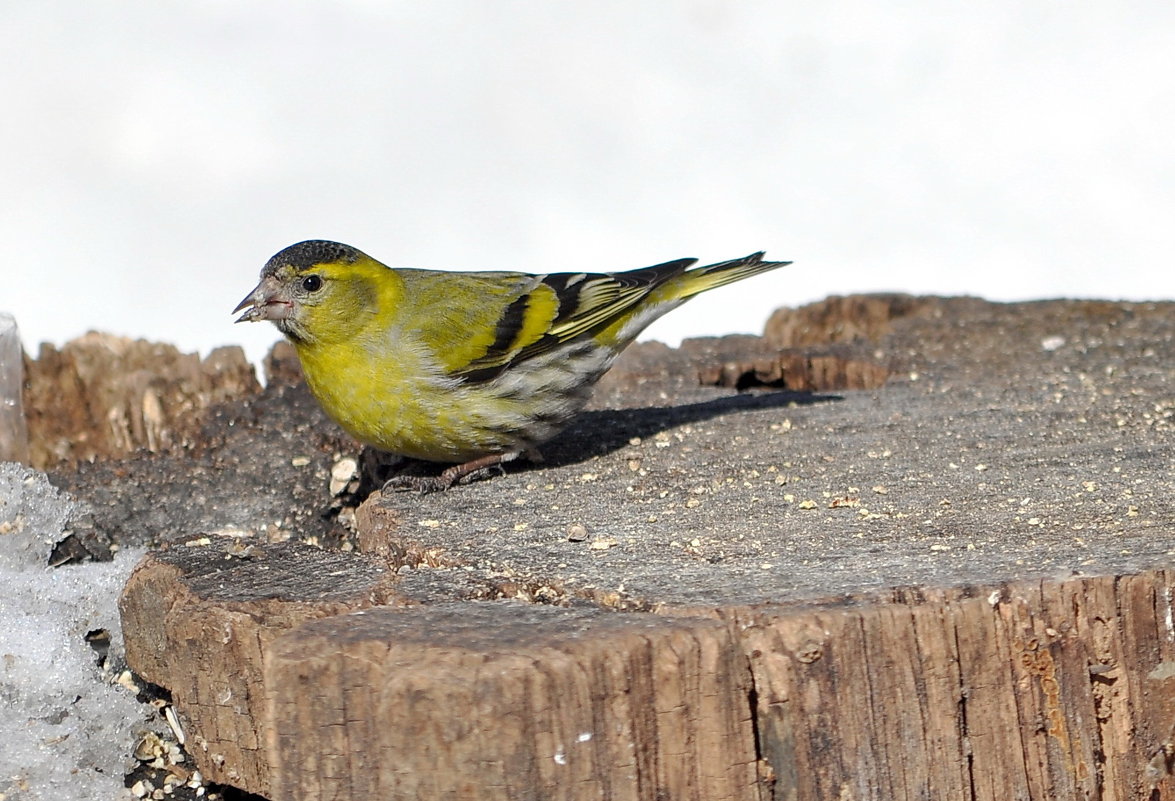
421, 484
474, 470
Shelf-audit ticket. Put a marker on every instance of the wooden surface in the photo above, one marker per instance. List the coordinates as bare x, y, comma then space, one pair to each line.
537, 702
1043, 689
1052, 689
954, 585
103, 396
213, 615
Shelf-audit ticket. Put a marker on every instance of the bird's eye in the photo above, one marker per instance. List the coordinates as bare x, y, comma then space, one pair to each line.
312, 283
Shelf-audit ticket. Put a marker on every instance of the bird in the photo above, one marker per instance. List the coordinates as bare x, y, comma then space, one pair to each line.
468, 369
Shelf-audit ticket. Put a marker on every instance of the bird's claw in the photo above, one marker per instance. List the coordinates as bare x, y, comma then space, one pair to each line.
426, 484
422, 484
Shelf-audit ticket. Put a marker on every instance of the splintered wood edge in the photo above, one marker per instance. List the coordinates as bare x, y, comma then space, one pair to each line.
1049, 688
198, 621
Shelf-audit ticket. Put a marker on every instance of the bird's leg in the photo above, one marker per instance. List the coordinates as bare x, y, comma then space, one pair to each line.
452, 475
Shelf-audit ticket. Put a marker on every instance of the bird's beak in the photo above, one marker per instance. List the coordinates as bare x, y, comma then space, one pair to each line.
267, 302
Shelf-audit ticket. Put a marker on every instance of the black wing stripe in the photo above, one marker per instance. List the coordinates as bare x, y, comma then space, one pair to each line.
587, 303
509, 325
567, 287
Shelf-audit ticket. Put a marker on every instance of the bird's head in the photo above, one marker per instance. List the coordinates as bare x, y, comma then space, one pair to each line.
316, 292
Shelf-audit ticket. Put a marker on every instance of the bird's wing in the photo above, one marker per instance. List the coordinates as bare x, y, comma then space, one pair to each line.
559, 307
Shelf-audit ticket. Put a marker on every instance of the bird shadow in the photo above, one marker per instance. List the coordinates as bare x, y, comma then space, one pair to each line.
598, 432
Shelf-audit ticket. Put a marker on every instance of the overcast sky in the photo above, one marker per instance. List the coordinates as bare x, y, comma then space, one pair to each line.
153, 155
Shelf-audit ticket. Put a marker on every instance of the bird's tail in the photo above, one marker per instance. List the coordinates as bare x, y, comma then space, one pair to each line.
712, 276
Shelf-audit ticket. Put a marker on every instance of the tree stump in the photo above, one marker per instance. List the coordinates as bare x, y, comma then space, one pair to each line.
955, 585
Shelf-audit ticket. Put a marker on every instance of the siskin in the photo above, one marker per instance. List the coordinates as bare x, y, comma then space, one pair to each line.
472, 369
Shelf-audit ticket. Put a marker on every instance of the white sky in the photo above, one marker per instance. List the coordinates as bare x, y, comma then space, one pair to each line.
154, 155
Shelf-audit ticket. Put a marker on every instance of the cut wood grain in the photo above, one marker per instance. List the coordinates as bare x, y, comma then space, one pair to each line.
510, 701
1041, 690
199, 622
302, 674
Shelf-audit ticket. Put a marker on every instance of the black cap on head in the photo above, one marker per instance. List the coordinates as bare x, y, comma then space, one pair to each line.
305, 255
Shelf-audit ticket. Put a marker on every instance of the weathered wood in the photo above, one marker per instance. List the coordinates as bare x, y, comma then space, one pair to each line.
103, 396
209, 616
1012, 479
1042, 690
826, 370
297, 688
840, 319
510, 701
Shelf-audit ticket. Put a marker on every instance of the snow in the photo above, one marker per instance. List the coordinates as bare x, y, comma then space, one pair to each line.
66, 732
